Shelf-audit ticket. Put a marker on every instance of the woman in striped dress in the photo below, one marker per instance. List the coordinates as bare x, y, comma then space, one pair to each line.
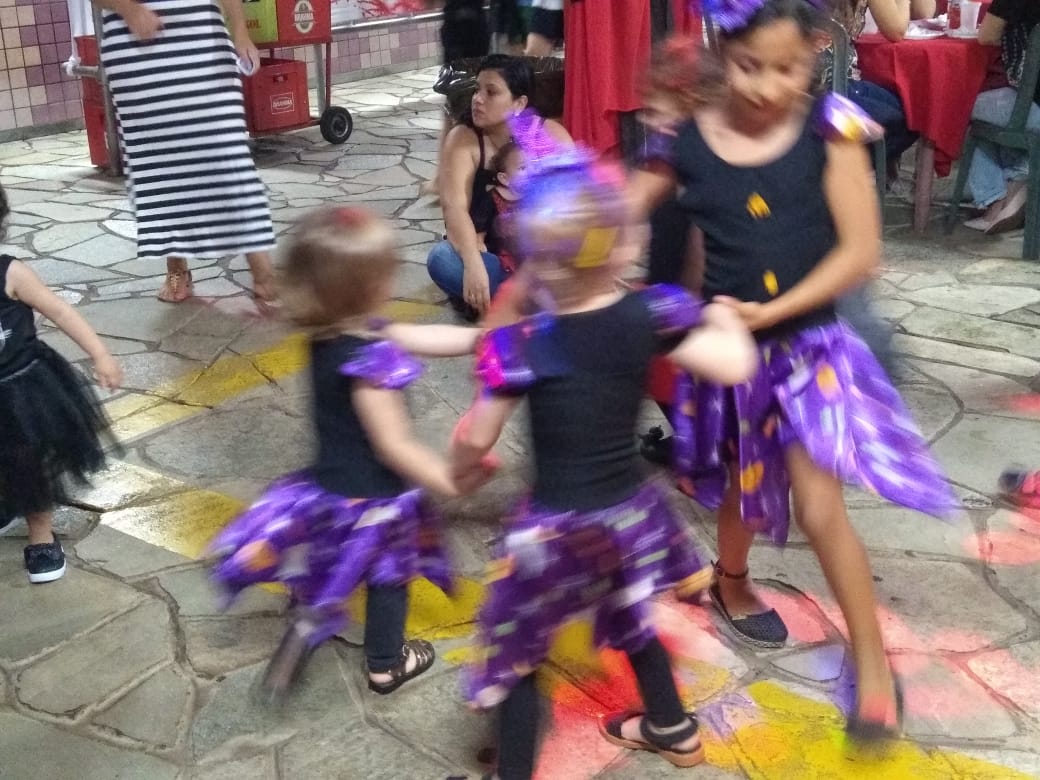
171, 67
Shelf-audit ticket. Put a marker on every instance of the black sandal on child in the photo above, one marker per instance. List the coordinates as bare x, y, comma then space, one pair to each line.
869, 731
654, 740
424, 655
763, 629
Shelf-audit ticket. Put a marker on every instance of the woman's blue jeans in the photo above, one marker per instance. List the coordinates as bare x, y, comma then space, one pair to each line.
886, 109
444, 265
992, 166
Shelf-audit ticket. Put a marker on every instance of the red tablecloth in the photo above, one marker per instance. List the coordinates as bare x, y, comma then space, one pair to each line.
937, 80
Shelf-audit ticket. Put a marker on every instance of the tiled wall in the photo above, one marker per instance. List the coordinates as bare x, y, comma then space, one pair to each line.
36, 95
34, 89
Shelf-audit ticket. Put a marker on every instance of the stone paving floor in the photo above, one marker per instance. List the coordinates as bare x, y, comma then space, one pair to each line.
126, 669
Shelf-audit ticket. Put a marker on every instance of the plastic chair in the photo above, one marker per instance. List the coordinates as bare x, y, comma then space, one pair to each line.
840, 84
1012, 136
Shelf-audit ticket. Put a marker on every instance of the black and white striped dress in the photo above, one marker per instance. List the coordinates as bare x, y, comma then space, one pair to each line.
195, 189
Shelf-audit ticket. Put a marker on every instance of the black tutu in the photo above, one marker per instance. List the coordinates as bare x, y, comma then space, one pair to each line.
52, 428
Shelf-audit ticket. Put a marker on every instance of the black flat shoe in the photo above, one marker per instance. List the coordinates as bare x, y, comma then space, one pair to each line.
656, 447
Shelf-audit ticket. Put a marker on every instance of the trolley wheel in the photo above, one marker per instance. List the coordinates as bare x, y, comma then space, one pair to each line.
336, 124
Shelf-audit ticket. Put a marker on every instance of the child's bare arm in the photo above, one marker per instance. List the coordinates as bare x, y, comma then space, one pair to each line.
478, 430
384, 417
24, 285
433, 340
721, 350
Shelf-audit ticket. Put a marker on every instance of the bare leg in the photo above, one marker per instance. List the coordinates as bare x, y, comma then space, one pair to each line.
734, 545
820, 511
40, 527
178, 286
263, 278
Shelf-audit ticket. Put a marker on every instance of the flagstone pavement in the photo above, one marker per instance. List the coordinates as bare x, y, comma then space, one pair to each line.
127, 669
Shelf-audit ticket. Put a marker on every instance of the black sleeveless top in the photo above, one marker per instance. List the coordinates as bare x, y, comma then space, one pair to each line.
481, 204
765, 227
346, 462
17, 330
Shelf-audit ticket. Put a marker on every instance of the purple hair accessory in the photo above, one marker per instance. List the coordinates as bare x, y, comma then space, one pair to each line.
541, 151
733, 15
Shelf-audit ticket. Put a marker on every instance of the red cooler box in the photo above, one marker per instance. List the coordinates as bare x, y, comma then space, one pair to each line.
276, 96
93, 102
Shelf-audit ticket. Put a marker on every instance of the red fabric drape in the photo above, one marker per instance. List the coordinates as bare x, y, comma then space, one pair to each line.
608, 48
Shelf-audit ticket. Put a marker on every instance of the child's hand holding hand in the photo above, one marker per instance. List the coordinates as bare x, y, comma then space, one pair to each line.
108, 372
755, 315
471, 479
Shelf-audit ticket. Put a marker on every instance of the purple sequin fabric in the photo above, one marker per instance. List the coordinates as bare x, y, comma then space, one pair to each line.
322, 546
822, 388
383, 364
553, 565
838, 118
673, 309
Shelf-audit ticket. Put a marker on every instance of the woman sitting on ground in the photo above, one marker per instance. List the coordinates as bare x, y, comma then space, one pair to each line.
997, 177
464, 268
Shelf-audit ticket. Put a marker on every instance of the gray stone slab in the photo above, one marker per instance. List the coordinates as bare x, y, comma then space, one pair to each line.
985, 300
897, 529
127, 228
1004, 271
55, 272
217, 646
142, 319
195, 595
978, 391
57, 236
100, 251
933, 407
991, 360
261, 767
640, 764
369, 162
65, 212
72, 351
978, 447
1013, 673
37, 618
69, 523
413, 283
942, 700
817, 664
125, 556
153, 711
921, 281
1022, 581
92, 667
156, 371
232, 719
39, 750
972, 330
124, 484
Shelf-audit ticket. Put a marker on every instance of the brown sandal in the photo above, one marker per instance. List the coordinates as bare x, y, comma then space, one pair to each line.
653, 740
424, 655
177, 288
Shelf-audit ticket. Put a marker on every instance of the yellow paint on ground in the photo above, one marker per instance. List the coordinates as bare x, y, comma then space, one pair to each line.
149, 419
431, 614
183, 523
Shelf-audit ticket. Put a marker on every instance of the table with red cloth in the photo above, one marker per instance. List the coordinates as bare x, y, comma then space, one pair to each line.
608, 49
937, 80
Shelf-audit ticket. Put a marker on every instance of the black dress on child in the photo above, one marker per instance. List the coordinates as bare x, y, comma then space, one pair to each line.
51, 422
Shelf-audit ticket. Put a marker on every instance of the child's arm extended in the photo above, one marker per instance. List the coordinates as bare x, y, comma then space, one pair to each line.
433, 340
478, 430
720, 350
848, 185
27, 287
385, 419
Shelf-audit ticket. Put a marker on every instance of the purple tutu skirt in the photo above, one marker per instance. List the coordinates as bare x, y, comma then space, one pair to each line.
821, 388
322, 546
552, 566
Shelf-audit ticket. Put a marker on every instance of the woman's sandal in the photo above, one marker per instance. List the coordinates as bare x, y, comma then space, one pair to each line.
868, 730
178, 287
424, 655
762, 629
654, 741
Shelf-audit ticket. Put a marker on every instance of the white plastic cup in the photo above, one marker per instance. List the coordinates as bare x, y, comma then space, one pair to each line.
246, 66
970, 15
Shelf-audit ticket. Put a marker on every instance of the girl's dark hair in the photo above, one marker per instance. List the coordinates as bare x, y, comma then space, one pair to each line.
4, 210
498, 162
516, 72
801, 12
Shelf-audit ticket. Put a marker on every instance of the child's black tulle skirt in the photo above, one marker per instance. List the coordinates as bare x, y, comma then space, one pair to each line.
52, 429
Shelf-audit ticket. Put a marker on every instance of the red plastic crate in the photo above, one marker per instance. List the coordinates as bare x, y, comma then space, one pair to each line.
304, 21
276, 96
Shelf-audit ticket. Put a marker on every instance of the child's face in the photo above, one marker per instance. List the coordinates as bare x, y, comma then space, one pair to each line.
769, 70
513, 164
660, 112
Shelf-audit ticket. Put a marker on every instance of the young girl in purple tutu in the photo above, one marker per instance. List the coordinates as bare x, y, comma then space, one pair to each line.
592, 537
780, 184
358, 514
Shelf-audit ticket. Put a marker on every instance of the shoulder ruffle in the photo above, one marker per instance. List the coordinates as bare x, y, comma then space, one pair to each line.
838, 118
383, 364
659, 147
673, 309
511, 359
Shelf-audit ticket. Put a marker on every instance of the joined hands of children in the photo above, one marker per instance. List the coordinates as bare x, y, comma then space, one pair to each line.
754, 315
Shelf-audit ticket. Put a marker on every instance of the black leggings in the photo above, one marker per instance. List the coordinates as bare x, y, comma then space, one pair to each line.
385, 612
518, 715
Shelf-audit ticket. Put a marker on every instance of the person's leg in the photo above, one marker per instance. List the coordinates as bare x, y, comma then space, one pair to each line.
518, 731
546, 28
178, 285
819, 508
44, 558
385, 610
987, 178
444, 265
262, 270
886, 109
